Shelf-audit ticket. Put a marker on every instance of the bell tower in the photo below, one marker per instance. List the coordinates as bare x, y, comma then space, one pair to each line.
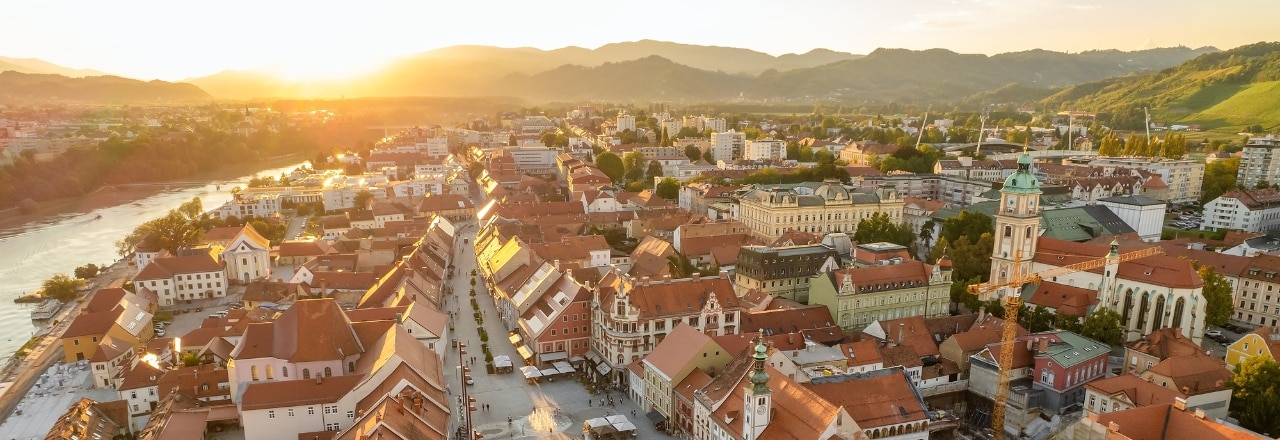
757, 400
1017, 225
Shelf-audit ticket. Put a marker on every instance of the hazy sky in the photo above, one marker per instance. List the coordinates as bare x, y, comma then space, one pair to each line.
173, 40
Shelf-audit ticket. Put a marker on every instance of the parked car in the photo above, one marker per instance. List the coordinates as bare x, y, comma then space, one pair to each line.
1215, 333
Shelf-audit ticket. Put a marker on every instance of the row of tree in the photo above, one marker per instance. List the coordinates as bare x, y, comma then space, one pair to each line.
1171, 146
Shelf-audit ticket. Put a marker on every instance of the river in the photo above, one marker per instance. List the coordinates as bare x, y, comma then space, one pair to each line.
33, 252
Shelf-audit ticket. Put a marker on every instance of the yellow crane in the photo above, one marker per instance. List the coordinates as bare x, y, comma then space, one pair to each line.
1013, 304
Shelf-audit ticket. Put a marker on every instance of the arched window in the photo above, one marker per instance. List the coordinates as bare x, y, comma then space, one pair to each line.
1159, 323
1144, 306
1008, 230
1178, 307
1128, 308
253, 372
328, 372
351, 366
1028, 232
306, 373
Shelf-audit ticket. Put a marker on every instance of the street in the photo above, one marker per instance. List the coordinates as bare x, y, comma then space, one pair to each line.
517, 410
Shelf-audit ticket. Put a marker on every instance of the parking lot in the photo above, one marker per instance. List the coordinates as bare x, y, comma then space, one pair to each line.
1216, 339
1186, 219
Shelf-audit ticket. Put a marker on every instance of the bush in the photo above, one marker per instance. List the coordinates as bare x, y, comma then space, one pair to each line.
163, 316
488, 357
87, 271
488, 368
475, 305
484, 335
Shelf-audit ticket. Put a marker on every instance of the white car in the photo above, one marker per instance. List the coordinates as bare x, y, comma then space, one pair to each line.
1214, 333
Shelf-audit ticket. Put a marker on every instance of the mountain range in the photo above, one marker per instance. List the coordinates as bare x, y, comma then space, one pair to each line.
661, 71
652, 70
98, 89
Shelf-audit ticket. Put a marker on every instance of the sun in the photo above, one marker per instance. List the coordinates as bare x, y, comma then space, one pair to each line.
316, 67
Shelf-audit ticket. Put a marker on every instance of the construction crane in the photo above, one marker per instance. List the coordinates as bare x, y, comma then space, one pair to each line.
1013, 304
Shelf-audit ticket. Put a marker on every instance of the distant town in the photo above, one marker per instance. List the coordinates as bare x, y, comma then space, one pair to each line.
627, 271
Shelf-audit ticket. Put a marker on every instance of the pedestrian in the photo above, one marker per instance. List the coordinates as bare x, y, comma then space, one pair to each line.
588, 403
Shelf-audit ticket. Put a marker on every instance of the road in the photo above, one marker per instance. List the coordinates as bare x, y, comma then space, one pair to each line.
49, 350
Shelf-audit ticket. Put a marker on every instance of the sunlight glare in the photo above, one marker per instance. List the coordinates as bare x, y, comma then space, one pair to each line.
314, 67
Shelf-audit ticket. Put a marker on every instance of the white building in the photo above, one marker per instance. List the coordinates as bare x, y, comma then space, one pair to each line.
767, 149
1246, 210
1144, 214
626, 122
248, 256
175, 279
727, 146
1259, 161
261, 205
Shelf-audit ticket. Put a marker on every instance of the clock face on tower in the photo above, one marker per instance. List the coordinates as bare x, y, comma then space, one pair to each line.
760, 410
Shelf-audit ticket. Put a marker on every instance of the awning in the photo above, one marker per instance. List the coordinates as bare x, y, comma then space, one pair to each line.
530, 372
550, 372
593, 357
524, 352
514, 338
603, 368
655, 417
553, 356
624, 427
502, 361
575, 359
564, 367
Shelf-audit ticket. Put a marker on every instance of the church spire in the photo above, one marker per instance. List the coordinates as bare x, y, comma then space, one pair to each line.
760, 379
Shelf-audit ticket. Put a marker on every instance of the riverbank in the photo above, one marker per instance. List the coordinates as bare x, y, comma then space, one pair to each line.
108, 196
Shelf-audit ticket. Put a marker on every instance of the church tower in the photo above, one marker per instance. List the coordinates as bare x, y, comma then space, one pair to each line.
1017, 225
757, 400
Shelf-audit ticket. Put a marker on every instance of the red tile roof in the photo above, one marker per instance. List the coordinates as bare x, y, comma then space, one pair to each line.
874, 400
267, 395
1159, 270
1062, 298
1137, 390
1164, 422
678, 349
310, 330
166, 268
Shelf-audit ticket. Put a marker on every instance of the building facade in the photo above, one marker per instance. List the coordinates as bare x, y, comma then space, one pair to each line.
1255, 210
784, 272
831, 207
859, 296
1259, 162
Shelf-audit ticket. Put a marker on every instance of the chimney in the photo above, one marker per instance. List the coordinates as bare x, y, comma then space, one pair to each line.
1044, 345
1180, 403
556, 263
901, 327
319, 380
1200, 413
1113, 427
724, 274
417, 404
1031, 344
644, 280
982, 313
666, 278
1177, 332
697, 276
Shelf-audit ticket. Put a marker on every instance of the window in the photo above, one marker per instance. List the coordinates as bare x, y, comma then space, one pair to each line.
284, 371
306, 373
328, 372
351, 366
351, 414
253, 371
271, 414
290, 412
331, 427
311, 410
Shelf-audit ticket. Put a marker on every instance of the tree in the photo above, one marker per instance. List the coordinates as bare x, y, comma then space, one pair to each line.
655, 170
633, 166
1255, 395
362, 199
87, 271
1037, 319
878, 228
966, 224
1217, 296
1068, 322
189, 359
1219, 177
668, 188
1103, 325
691, 151
61, 287
611, 165
707, 156
1109, 146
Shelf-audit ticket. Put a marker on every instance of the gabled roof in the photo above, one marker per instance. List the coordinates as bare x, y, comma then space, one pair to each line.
1159, 270
677, 350
1138, 391
1165, 343
1062, 298
1164, 422
881, 398
305, 248
310, 330
166, 268
267, 395
780, 321
1194, 374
